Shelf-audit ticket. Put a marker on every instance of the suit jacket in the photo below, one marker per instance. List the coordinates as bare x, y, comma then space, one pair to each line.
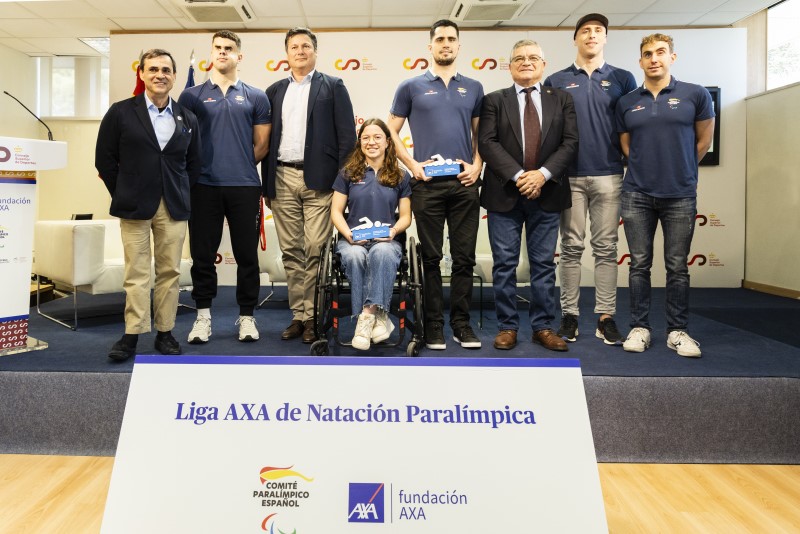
500, 146
136, 171
330, 132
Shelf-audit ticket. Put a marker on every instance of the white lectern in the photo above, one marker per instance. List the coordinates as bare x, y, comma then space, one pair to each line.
19, 161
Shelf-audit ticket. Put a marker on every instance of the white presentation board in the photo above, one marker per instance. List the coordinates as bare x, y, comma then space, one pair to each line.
338, 445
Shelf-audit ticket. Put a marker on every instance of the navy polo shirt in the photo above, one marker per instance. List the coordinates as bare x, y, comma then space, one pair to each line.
368, 198
440, 117
662, 159
226, 130
595, 99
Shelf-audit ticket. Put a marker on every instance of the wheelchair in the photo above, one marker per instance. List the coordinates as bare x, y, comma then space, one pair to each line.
332, 284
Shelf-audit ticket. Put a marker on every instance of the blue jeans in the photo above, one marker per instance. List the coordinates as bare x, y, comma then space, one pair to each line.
641, 214
371, 269
505, 236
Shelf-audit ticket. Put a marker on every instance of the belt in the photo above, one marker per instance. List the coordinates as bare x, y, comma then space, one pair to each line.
293, 164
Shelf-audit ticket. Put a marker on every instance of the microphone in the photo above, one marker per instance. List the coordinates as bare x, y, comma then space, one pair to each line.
49, 133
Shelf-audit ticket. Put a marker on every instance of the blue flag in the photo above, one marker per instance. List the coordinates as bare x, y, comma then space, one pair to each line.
190, 77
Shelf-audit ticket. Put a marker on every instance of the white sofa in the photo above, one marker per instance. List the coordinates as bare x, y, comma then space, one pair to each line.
86, 256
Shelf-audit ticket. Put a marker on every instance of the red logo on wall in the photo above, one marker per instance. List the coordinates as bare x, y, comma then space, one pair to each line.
274, 66
419, 63
488, 63
350, 64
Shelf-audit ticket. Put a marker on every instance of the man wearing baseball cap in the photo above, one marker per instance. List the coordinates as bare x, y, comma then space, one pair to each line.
595, 178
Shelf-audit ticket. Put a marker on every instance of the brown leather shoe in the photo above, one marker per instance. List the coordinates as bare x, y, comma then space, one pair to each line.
308, 332
505, 339
549, 340
294, 330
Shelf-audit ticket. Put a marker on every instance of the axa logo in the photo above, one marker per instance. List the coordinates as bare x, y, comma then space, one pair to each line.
348, 64
5, 154
418, 63
274, 66
487, 63
366, 503
269, 524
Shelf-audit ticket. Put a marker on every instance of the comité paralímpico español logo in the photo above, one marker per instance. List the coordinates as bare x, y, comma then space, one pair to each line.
419, 63
489, 63
284, 488
274, 65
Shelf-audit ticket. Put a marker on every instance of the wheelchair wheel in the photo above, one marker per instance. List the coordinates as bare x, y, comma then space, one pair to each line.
320, 347
323, 293
415, 287
413, 348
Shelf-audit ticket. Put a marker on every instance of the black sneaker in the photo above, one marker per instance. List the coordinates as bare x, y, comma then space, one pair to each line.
607, 331
466, 337
568, 331
434, 337
166, 344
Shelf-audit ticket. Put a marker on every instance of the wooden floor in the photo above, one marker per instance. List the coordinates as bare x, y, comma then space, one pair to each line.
66, 494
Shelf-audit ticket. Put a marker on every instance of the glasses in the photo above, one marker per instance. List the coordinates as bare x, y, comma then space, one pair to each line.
372, 139
518, 60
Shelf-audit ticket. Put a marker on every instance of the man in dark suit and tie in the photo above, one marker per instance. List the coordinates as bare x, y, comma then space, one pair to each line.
148, 156
528, 136
313, 132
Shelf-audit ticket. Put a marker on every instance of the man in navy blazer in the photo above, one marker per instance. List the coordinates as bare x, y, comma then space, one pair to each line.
313, 132
148, 156
525, 183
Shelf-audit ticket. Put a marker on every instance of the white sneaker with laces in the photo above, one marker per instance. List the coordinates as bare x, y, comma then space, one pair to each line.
201, 331
247, 328
364, 326
638, 340
383, 327
686, 346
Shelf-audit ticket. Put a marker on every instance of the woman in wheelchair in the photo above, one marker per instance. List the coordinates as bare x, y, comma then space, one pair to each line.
371, 187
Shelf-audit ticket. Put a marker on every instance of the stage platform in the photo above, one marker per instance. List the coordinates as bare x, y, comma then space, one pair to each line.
739, 403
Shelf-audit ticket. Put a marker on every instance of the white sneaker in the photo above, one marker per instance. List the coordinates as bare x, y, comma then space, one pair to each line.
364, 326
383, 327
247, 328
686, 346
638, 340
201, 331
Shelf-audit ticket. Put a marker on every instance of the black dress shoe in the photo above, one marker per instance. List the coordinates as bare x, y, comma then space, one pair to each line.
294, 330
167, 344
122, 350
309, 336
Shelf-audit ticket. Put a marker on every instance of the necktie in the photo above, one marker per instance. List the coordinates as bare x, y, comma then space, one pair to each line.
533, 132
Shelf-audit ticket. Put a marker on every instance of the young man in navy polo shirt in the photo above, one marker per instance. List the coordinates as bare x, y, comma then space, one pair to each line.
442, 107
665, 128
595, 178
235, 123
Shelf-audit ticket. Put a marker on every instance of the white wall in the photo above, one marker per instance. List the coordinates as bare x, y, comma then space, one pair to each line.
384, 58
773, 190
76, 188
18, 77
